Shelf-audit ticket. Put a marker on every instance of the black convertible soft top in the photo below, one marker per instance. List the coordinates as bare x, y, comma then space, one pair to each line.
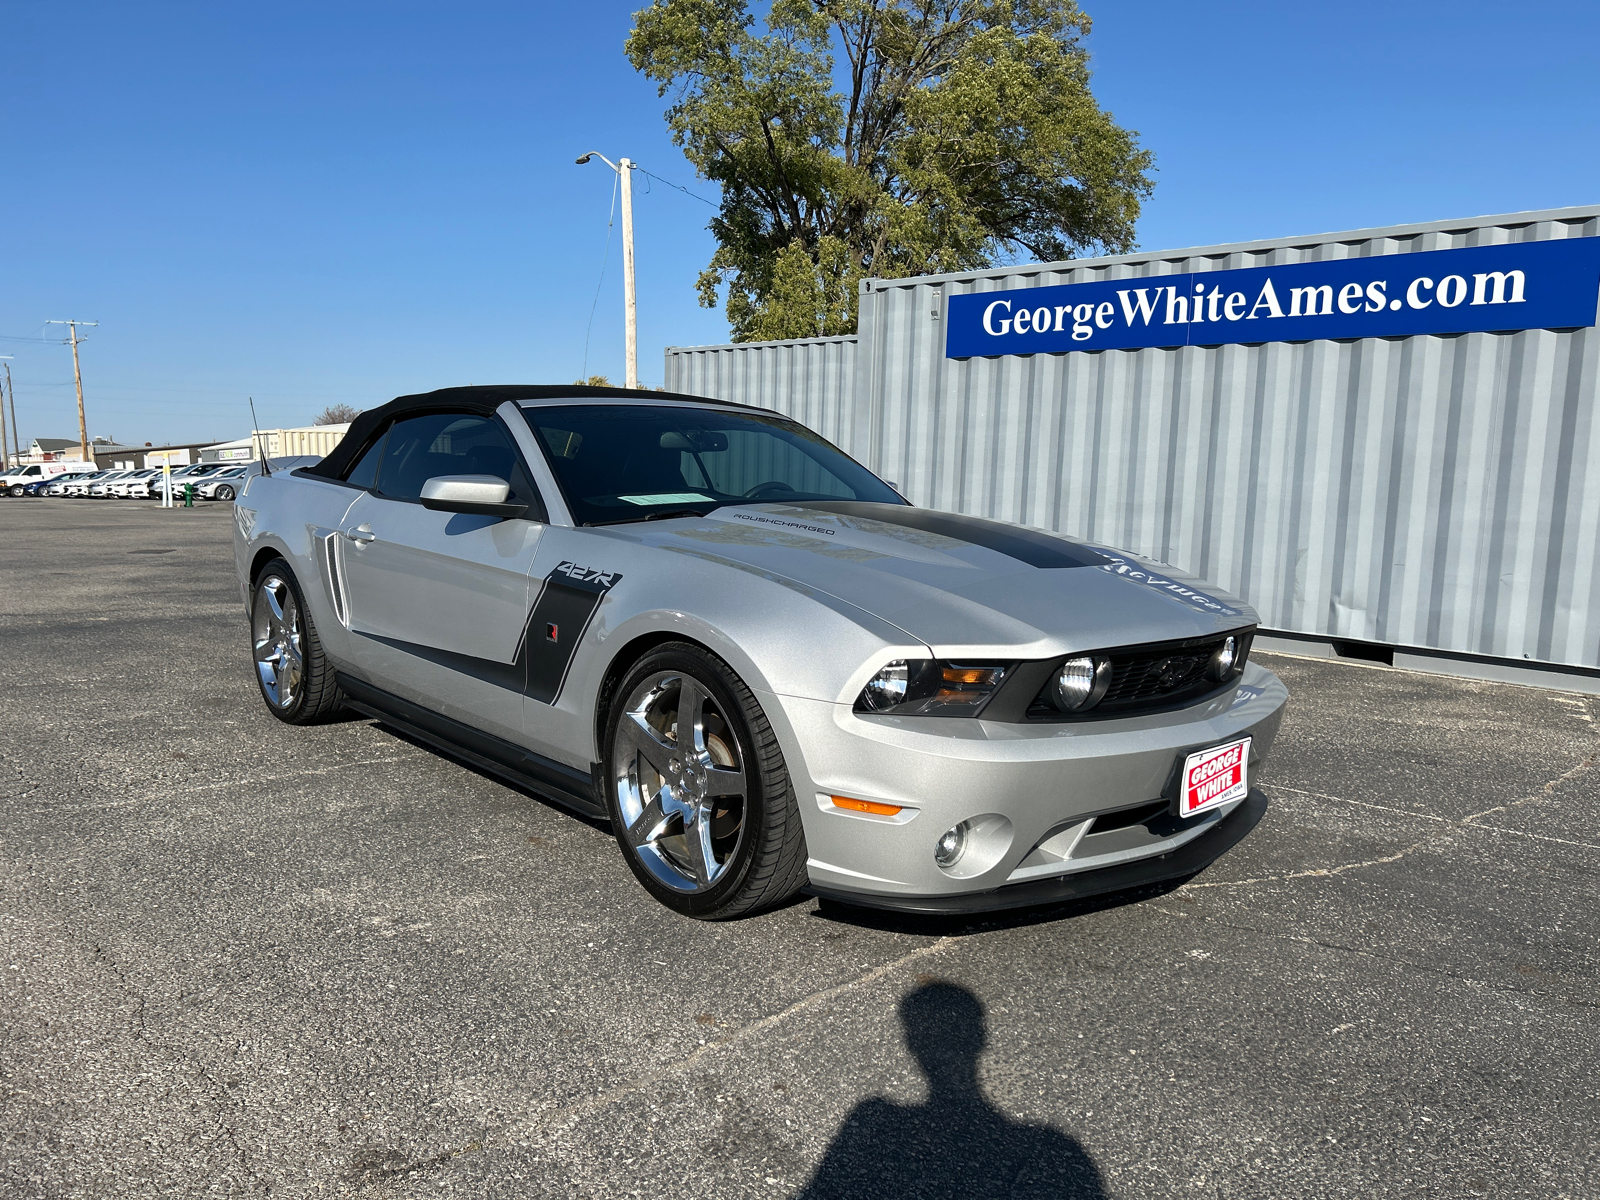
482, 399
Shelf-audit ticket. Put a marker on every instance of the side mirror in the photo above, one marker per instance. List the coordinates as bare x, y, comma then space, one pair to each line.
479, 495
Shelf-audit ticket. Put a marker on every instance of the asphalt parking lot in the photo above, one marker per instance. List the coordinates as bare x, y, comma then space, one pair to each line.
242, 958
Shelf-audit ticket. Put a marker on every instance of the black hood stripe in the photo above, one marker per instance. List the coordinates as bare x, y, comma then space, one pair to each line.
1025, 545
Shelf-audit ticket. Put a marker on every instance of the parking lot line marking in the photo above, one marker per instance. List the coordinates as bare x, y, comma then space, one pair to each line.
588, 1104
1360, 803
1542, 837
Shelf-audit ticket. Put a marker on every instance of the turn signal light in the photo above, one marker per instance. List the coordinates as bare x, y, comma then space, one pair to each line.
866, 806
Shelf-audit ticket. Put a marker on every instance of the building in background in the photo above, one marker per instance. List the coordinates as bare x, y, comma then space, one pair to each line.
313, 440
1389, 456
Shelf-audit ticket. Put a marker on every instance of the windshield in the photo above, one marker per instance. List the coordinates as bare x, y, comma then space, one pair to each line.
624, 462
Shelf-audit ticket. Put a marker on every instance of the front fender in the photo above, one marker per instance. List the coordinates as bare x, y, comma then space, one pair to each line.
779, 637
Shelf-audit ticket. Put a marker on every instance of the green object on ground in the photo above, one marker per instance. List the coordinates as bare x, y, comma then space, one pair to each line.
188, 495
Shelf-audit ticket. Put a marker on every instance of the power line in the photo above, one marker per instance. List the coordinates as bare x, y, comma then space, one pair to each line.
677, 186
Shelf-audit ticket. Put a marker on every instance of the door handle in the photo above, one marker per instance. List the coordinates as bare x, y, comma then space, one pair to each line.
360, 533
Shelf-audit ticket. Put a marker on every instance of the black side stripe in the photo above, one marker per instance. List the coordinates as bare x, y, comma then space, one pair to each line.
1025, 545
565, 606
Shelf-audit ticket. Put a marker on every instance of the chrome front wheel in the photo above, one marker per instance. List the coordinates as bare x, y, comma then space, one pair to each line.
696, 787
679, 781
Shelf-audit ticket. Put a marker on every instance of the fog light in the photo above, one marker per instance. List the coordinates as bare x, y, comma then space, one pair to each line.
1080, 683
948, 850
1224, 660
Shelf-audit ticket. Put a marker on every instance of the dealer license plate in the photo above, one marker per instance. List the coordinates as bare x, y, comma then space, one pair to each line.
1216, 776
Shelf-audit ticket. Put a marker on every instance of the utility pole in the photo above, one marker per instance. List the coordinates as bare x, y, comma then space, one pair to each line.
5, 448
16, 438
77, 376
624, 168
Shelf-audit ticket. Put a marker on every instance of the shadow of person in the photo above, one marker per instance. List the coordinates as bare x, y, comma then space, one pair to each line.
956, 1144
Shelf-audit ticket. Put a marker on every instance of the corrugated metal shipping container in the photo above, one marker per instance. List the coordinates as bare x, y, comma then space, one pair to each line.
1438, 492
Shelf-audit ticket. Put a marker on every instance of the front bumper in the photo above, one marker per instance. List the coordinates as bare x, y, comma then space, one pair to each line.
1184, 860
1060, 810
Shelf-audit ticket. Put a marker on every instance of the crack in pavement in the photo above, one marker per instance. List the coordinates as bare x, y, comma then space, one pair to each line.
1395, 960
1470, 821
212, 787
550, 1123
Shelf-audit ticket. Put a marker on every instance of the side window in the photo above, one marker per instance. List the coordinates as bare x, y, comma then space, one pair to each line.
365, 472
420, 448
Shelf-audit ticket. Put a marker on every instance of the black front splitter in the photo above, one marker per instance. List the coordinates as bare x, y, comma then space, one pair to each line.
1187, 859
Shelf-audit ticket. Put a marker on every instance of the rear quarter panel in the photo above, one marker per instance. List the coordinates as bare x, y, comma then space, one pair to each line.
291, 515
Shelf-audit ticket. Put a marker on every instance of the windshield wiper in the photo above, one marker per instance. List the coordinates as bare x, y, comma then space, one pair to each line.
660, 516
681, 512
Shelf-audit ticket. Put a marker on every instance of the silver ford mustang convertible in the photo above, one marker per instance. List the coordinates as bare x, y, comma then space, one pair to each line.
768, 671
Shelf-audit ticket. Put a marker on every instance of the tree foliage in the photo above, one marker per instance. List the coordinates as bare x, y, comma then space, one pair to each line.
337, 414
886, 138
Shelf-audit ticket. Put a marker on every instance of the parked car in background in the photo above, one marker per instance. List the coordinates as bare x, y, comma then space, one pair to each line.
100, 488
223, 485
193, 473
134, 486
79, 486
57, 484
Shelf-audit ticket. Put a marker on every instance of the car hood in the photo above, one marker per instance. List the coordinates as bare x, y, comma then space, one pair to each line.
961, 585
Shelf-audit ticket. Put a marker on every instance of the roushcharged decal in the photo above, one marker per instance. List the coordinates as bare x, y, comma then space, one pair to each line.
1524, 285
1139, 573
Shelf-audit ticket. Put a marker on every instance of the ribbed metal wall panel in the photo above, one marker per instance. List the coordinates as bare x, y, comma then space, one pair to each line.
1437, 492
811, 380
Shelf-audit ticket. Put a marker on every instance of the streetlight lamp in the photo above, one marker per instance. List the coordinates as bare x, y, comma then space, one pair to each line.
623, 168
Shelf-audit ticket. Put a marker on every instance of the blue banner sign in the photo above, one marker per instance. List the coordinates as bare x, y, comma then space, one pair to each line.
1527, 285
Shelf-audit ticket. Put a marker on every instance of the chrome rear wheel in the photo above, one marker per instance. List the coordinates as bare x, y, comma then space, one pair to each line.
278, 640
296, 679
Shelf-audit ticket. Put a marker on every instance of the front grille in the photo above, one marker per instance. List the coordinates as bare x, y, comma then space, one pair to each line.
1153, 674
1145, 678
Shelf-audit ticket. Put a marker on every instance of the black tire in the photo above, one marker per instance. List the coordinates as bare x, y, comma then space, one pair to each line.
766, 865
315, 696
224, 493
16, 489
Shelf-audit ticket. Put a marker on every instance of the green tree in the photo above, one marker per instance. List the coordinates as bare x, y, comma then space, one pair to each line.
886, 138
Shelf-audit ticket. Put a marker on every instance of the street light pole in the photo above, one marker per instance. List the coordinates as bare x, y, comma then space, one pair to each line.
624, 169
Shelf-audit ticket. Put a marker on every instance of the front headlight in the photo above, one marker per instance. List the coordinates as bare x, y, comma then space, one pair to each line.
931, 688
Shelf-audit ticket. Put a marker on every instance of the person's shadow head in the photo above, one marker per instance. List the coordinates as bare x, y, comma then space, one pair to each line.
956, 1143
945, 1032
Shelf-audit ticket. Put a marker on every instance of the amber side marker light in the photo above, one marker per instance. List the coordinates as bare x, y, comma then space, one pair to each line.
866, 806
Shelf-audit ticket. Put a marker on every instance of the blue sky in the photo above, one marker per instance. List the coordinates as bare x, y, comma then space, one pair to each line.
343, 202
